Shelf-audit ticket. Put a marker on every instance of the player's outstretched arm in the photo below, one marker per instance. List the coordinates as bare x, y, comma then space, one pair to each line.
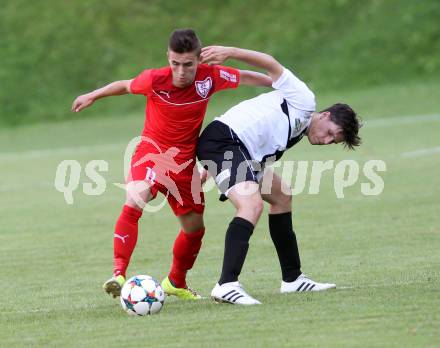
218, 54
114, 88
253, 78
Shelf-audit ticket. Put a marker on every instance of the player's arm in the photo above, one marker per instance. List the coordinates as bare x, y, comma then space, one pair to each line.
114, 88
218, 54
253, 78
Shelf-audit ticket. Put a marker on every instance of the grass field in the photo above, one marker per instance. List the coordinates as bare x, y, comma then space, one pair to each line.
382, 251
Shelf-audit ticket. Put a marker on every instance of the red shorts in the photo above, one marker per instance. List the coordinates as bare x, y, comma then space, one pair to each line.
177, 179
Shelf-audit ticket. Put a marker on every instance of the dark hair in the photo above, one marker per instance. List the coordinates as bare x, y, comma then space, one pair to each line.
344, 116
184, 40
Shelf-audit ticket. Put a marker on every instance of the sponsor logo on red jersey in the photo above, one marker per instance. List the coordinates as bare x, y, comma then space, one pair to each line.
228, 76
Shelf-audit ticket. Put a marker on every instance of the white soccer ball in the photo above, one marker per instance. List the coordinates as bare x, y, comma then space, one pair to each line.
142, 295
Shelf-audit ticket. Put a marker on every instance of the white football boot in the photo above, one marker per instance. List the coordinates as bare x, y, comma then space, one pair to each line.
302, 283
232, 293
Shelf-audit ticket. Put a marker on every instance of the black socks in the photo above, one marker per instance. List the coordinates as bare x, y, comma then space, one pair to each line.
236, 246
284, 239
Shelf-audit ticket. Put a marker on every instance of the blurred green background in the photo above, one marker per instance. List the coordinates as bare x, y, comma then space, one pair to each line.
51, 51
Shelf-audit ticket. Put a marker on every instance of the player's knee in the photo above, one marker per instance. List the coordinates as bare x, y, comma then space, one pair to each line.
286, 200
137, 194
191, 222
252, 209
134, 204
282, 203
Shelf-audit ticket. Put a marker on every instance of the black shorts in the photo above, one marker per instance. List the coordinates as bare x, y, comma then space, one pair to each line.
226, 158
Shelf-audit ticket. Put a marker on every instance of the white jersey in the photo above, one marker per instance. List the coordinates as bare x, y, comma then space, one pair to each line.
261, 124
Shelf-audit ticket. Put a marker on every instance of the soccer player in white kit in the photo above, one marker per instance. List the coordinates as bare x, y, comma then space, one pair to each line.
236, 148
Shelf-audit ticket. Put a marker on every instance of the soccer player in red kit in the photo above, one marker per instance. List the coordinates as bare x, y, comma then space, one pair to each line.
164, 160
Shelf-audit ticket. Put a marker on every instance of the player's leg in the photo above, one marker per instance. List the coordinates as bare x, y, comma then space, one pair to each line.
138, 193
185, 251
248, 211
246, 198
189, 211
278, 194
186, 247
229, 163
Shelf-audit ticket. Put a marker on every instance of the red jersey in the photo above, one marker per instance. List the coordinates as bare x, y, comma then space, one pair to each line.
175, 115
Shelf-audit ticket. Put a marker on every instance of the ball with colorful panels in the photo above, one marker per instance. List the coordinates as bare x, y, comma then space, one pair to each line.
142, 295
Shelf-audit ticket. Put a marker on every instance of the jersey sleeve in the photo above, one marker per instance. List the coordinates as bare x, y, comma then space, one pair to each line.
225, 77
142, 84
295, 91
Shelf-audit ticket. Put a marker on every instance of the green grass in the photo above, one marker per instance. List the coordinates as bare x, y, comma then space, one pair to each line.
381, 251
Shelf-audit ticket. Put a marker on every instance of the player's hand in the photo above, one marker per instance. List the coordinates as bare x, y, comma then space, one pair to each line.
82, 102
204, 175
214, 54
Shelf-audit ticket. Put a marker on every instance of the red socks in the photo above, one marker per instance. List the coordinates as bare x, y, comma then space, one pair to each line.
125, 238
185, 251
